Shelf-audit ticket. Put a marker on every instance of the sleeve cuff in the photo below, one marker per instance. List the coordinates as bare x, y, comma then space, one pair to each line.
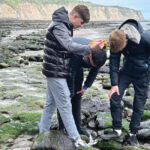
85, 87
88, 51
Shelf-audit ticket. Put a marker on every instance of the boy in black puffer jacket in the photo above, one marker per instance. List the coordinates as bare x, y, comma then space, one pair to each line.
57, 53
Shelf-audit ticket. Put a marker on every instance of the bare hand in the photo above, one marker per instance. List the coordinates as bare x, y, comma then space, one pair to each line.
113, 90
81, 92
97, 44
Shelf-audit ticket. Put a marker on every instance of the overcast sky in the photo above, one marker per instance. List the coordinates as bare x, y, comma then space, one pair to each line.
142, 5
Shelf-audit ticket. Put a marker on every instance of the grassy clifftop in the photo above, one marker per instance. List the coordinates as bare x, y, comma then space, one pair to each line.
43, 9
15, 3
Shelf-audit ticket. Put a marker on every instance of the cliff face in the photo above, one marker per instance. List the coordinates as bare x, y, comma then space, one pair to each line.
31, 11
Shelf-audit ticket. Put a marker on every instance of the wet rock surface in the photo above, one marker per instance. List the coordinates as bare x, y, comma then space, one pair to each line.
23, 88
54, 140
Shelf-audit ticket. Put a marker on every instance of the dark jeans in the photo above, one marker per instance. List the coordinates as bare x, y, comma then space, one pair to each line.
140, 86
76, 102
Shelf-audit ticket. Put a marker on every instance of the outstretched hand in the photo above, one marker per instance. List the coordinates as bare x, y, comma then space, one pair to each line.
97, 44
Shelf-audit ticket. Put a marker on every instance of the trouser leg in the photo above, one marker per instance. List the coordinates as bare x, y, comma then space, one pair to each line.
76, 100
140, 87
115, 101
48, 111
61, 95
76, 110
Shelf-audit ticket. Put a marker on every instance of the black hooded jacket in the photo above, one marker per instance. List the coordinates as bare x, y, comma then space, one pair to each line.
136, 56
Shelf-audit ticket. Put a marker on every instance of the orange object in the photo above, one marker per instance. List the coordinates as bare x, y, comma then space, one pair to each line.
91, 42
105, 43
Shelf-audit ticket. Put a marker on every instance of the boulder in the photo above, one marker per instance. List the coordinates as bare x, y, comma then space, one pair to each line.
106, 84
130, 148
127, 112
104, 69
104, 120
94, 105
34, 47
109, 145
92, 124
146, 115
53, 140
144, 134
3, 119
145, 124
130, 91
3, 65
128, 102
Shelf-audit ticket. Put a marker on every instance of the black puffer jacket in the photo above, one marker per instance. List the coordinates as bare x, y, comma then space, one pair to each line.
136, 56
56, 57
59, 46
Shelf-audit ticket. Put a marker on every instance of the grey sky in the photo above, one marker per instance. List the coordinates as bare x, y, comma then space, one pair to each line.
142, 5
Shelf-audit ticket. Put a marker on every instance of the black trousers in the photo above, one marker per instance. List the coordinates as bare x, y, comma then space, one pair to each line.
76, 102
140, 86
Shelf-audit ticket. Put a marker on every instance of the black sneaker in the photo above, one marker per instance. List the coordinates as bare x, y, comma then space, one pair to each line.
112, 136
133, 141
83, 132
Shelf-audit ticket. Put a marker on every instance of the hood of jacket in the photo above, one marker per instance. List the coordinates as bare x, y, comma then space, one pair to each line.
135, 23
61, 15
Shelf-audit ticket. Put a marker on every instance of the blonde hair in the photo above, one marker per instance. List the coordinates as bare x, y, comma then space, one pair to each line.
116, 40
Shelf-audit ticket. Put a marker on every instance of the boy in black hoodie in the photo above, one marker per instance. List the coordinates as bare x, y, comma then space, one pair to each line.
75, 81
134, 43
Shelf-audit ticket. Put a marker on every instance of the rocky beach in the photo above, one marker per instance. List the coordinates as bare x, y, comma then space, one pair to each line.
23, 88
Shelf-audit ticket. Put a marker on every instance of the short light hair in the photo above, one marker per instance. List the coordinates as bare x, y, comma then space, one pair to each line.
82, 11
116, 40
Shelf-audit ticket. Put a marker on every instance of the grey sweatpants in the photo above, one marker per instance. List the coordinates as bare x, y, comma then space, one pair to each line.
58, 95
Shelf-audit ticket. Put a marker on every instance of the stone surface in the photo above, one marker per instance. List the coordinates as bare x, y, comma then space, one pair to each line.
109, 145
93, 106
3, 65
54, 140
128, 102
104, 120
104, 69
130, 148
92, 124
23, 87
144, 134
145, 124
